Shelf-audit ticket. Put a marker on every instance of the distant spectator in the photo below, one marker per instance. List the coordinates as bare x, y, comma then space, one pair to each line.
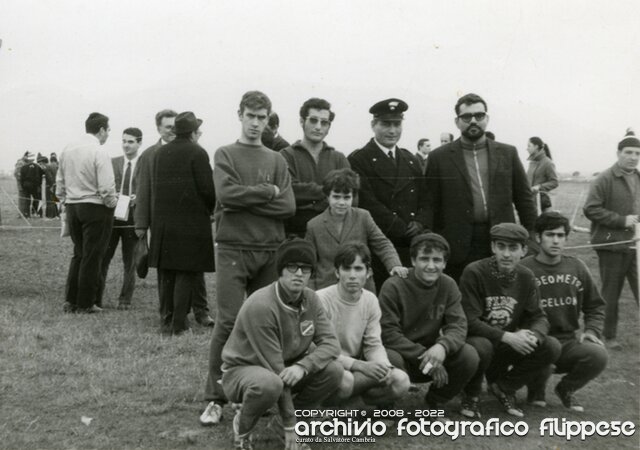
424, 147
446, 138
542, 172
51, 170
23, 203
30, 180
276, 141
50, 181
613, 206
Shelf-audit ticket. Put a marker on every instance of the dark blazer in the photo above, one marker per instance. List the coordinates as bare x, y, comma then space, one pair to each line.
449, 209
184, 197
143, 177
392, 193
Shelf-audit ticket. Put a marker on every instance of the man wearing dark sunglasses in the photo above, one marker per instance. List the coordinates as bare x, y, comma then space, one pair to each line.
310, 160
472, 184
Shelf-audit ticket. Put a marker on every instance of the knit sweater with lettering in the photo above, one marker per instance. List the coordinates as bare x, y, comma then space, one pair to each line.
566, 290
248, 214
494, 305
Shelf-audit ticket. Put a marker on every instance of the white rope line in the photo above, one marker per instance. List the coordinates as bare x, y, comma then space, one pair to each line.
15, 206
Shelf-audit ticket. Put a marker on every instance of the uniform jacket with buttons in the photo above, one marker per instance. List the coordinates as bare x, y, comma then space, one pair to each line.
392, 191
449, 199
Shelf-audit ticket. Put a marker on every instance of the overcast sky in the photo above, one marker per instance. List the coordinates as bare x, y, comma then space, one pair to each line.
567, 71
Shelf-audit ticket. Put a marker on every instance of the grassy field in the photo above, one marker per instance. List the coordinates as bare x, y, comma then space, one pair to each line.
112, 381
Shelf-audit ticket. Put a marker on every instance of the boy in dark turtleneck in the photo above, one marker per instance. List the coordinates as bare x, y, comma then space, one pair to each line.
269, 356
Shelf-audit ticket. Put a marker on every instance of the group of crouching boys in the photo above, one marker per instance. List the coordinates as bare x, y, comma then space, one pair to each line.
512, 320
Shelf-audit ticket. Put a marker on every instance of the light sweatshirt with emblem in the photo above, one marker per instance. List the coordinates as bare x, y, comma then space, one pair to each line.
271, 334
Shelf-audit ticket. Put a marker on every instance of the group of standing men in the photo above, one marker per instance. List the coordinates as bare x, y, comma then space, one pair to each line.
466, 198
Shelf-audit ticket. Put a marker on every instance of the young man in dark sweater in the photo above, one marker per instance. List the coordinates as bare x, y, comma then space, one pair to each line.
423, 324
566, 290
282, 349
507, 327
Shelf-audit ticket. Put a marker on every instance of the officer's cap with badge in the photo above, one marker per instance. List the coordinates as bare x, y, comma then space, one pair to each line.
389, 109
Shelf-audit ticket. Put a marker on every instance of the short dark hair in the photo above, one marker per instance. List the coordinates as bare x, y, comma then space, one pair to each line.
274, 120
164, 113
450, 136
95, 122
341, 180
490, 135
316, 103
429, 245
255, 100
550, 221
135, 132
535, 140
422, 141
347, 254
470, 99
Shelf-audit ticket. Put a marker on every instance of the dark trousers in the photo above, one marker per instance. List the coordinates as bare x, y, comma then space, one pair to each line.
89, 228
199, 303
239, 273
480, 248
121, 231
581, 362
258, 389
177, 289
23, 201
614, 268
460, 367
511, 370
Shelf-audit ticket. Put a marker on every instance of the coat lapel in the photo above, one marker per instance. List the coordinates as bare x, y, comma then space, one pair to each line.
457, 157
405, 173
380, 163
493, 155
329, 227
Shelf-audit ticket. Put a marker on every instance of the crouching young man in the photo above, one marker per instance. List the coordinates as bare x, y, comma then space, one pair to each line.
566, 290
507, 327
355, 315
423, 323
269, 358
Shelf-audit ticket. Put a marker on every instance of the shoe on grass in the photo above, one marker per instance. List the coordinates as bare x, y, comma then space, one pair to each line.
470, 407
241, 441
536, 399
567, 399
212, 414
507, 400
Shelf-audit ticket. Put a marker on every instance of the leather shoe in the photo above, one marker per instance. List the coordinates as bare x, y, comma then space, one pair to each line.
206, 321
92, 310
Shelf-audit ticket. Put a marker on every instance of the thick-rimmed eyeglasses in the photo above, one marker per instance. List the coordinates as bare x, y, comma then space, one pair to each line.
293, 268
479, 116
315, 120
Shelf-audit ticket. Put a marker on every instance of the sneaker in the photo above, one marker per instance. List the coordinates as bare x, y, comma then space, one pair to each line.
508, 401
536, 399
212, 414
470, 407
568, 400
241, 442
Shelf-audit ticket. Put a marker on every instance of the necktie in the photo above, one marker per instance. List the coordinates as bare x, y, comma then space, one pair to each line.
390, 153
127, 179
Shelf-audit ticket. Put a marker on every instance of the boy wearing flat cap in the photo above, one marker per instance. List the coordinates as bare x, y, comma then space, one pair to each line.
391, 183
507, 327
269, 358
423, 323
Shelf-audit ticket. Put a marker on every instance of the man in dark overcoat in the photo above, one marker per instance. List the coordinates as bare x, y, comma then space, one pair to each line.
181, 239
472, 184
142, 187
391, 183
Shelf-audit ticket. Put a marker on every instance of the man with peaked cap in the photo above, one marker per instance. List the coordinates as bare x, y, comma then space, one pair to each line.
181, 239
507, 326
391, 182
613, 206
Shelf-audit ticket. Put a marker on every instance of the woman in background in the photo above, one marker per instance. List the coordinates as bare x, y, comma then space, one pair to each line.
542, 172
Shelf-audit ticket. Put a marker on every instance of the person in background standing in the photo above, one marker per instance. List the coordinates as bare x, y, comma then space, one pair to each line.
613, 207
424, 147
541, 172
